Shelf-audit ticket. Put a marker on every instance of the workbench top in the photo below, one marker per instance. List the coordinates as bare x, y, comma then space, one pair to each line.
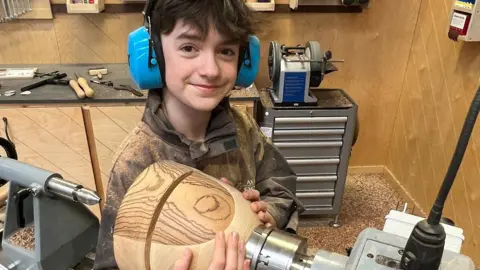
64, 95
326, 99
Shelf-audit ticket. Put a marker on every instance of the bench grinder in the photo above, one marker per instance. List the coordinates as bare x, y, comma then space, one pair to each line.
294, 70
64, 229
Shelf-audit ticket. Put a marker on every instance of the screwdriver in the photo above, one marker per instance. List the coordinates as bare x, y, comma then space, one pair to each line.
84, 84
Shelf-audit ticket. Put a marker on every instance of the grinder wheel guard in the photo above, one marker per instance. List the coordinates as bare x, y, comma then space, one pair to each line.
171, 206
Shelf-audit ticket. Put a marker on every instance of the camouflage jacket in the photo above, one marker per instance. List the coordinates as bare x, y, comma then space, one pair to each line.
234, 148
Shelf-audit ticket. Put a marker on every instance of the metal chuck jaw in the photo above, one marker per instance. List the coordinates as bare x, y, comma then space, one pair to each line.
268, 248
274, 249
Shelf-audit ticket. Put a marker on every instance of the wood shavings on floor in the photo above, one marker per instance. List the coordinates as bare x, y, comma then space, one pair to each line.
24, 237
367, 199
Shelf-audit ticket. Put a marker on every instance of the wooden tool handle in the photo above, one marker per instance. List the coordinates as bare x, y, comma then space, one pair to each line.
84, 84
77, 89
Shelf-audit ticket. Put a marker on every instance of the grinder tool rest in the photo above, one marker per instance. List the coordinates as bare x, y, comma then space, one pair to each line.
65, 231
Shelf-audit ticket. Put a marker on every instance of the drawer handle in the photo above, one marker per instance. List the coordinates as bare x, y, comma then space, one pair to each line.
313, 161
316, 195
309, 132
308, 144
326, 178
285, 120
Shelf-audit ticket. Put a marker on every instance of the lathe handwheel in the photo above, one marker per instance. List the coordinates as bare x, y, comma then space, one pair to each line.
313, 52
274, 59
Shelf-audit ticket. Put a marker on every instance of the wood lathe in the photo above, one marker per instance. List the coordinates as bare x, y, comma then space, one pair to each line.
170, 206
47, 225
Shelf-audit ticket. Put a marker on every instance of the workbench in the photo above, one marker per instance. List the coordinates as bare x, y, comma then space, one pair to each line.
78, 138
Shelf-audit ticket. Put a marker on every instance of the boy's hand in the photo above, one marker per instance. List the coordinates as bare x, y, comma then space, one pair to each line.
258, 206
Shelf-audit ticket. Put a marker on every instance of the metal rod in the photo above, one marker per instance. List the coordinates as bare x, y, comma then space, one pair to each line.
4, 14
321, 61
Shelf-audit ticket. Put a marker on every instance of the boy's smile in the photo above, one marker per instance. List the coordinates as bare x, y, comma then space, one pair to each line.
200, 71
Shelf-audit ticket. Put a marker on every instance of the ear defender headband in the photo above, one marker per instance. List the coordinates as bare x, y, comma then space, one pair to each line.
148, 70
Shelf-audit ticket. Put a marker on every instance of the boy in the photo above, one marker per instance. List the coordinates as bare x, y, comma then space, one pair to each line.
191, 122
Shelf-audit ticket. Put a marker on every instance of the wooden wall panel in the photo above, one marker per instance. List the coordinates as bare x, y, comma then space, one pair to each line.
375, 45
51, 140
440, 81
28, 41
41, 9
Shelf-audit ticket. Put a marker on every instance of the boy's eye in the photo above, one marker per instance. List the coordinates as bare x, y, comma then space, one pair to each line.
187, 48
228, 52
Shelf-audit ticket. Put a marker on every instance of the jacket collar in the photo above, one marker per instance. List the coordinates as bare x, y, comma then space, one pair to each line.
221, 131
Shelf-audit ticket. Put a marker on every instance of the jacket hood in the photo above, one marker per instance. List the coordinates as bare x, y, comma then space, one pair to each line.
221, 130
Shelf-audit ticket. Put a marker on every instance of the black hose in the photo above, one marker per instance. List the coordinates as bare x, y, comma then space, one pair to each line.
436, 212
5, 121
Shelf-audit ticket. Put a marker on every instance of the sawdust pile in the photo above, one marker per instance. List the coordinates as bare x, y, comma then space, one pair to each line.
24, 238
368, 198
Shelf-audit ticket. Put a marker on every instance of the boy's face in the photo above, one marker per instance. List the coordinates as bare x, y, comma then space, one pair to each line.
199, 72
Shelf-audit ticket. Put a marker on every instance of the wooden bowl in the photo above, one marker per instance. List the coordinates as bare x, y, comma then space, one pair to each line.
171, 206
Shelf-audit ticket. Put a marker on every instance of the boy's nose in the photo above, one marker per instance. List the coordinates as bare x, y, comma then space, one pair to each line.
209, 66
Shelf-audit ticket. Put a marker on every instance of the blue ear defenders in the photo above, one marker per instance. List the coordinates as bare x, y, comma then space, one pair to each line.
146, 69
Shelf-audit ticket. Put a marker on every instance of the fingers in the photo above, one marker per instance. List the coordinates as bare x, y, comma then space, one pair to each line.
241, 255
251, 195
246, 265
184, 262
259, 206
267, 219
232, 254
226, 181
218, 259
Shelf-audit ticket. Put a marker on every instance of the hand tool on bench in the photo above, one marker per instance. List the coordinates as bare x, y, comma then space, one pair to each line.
56, 79
82, 82
129, 89
98, 71
119, 87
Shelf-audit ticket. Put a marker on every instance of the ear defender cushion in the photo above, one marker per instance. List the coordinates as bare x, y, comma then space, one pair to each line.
144, 75
149, 76
251, 62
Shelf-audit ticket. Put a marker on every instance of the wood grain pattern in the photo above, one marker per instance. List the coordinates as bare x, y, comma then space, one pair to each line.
142, 206
170, 206
439, 84
195, 210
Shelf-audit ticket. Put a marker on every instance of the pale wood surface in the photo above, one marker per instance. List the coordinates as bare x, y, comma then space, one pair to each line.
441, 79
170, 206
41, 9
375, 45
51, 140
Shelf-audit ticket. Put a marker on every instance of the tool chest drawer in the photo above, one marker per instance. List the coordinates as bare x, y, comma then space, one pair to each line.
314, 166
315, 211
291, 135
308, 183
310, 122
316, 199
316, 141
309, 149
